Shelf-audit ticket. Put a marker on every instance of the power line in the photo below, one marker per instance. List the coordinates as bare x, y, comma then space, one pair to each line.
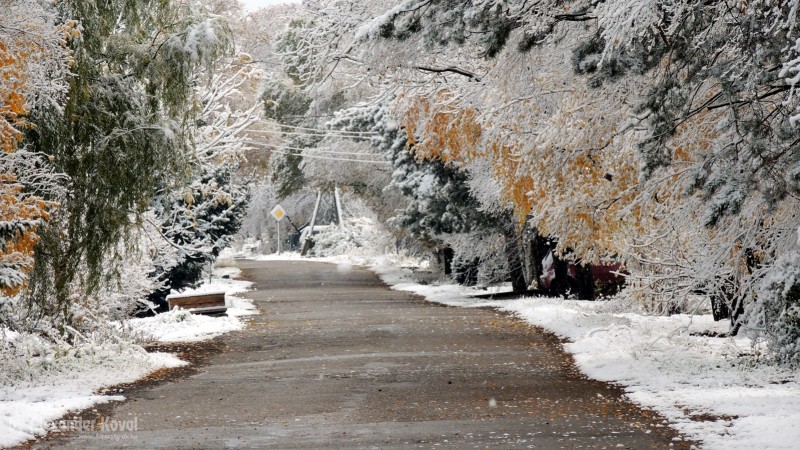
342, 132
311, 150
282, 150
333, 159
283, 133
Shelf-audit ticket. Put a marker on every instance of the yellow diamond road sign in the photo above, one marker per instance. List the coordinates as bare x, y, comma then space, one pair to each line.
278, 212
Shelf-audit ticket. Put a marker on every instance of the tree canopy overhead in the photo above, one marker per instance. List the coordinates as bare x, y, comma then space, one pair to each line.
658, 133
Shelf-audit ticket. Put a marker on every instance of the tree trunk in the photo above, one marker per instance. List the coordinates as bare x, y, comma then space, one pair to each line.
445, 256
539, 247
583, 282
514, 256
559, 287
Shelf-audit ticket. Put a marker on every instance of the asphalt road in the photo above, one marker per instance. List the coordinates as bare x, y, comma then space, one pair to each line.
338, 360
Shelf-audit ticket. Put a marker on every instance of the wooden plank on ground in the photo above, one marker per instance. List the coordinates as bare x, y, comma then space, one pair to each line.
200, 303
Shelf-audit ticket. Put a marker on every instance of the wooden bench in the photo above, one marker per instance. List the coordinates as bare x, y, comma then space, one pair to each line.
211, 303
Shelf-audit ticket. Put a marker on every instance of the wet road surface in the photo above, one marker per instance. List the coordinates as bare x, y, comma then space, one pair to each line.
338, 360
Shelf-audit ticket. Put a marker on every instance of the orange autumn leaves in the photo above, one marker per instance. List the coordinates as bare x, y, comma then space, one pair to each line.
12, 97
574, 193
576, 177
454, 136
18, 209
448, 133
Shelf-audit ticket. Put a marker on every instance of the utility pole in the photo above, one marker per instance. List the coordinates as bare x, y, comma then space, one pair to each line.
314, 214
306, 245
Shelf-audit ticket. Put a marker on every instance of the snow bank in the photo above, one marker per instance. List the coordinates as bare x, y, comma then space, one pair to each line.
46, 381
33, 400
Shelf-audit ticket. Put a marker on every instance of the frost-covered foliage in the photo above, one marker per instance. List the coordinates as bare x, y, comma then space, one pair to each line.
26, 178
34, 61
29, 359
33, 72
198, 221
121, 134
228, 110
479, 257
287, 105
729, 65
777, 309
440, 202
263, 198
360, 237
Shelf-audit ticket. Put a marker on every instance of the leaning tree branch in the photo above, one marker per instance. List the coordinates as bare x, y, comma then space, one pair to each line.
452, 69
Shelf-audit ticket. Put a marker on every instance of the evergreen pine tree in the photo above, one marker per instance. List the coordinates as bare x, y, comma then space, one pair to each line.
199, 222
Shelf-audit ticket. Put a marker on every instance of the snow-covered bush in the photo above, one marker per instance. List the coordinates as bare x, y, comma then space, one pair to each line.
361, 236
29, 357
335, 241
479, 257
777, 310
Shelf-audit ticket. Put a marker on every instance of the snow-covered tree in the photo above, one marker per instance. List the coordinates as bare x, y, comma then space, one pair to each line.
33, 70
122, 133
199, 221
777, 310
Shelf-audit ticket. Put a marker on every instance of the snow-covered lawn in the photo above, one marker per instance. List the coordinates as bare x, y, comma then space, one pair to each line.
50, 381
710, 388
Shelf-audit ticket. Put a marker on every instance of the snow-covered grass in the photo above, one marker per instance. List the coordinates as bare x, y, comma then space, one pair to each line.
40, 382
33, 406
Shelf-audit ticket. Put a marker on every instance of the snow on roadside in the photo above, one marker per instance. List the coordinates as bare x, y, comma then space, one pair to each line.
52, 384
50, 381
182, 326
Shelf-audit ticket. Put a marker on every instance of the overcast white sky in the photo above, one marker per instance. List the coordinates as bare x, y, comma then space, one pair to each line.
252, 5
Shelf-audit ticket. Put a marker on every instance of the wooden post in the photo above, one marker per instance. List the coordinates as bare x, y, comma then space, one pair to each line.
339, 214
314, 214
306, 245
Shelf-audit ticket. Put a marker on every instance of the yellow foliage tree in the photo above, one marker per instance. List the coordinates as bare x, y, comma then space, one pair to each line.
19, 213
12, 98
438, 129
20, 209
576, 182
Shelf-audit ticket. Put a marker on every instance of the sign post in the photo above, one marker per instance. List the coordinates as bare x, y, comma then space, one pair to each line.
278, 213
